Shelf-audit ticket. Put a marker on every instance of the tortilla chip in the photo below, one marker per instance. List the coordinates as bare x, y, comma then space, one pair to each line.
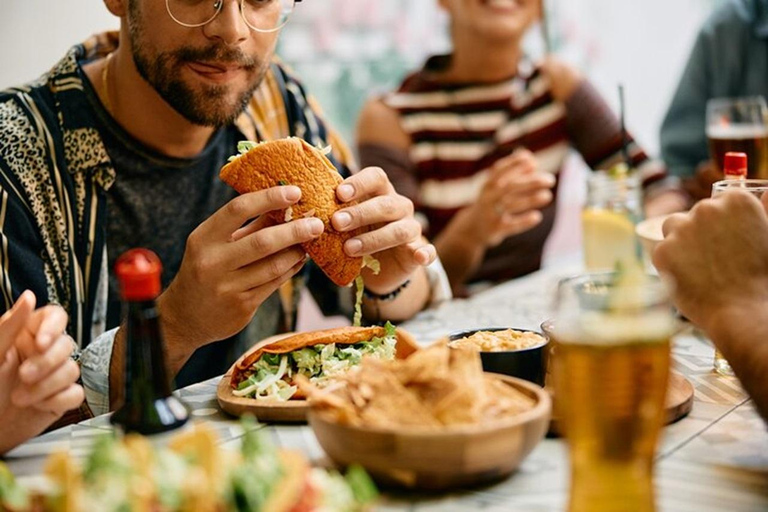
66, 475
293, 161
435, 387
424, 366
200, 442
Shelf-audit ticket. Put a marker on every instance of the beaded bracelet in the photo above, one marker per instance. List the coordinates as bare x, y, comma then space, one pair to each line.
387, 296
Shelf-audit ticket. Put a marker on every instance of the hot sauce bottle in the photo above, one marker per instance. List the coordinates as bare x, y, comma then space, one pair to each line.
149, 406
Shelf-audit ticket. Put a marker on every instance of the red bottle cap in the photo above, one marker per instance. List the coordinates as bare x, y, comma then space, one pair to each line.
138, 271
735, 164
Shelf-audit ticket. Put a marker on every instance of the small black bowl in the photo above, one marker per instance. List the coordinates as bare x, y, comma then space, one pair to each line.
527, 363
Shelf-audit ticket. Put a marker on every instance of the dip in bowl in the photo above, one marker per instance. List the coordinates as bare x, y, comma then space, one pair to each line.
520, 353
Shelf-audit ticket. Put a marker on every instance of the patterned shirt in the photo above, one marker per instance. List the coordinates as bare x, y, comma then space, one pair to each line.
458, 131
55, 174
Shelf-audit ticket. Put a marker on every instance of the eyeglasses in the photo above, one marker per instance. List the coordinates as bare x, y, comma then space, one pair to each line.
259, 15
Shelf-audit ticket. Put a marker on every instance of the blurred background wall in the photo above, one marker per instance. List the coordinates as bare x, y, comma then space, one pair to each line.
346, 50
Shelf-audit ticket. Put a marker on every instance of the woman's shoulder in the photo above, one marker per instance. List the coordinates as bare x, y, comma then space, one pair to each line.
563, 78
379, 124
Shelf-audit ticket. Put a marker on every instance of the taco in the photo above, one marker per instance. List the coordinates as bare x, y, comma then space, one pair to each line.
270, 372
192, 474
293, 161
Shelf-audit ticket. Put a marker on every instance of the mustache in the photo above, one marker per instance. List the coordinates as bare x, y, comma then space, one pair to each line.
216, 53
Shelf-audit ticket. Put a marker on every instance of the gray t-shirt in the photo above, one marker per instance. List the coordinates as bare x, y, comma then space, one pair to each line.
156, 202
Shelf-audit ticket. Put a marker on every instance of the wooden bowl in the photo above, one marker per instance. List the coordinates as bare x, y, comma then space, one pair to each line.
290, 411
435, 459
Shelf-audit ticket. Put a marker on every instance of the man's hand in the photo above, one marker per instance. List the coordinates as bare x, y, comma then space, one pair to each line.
718, 256
394, 237
700, 186
510, 201
37, 377
231, 267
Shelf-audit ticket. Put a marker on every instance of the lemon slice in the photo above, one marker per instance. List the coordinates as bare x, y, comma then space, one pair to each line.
609, 239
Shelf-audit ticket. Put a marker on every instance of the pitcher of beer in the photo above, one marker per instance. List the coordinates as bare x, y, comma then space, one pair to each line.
741, 125
611, 365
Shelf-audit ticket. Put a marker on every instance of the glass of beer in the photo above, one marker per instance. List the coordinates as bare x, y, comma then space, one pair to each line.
739, 124
756, 188
611, 366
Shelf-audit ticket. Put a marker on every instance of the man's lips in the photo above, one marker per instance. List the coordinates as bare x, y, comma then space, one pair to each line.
502, 5
214, 71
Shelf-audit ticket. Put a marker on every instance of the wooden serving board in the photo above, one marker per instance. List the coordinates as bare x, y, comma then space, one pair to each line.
291, 411
679, 401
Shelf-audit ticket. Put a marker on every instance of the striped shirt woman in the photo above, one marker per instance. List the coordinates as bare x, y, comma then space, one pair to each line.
451, 135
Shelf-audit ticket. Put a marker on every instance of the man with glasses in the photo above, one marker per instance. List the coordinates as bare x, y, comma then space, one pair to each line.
120, 145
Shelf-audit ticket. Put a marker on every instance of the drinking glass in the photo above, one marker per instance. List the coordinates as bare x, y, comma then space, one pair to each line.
613, 208
611, 366
757, 188
739, 124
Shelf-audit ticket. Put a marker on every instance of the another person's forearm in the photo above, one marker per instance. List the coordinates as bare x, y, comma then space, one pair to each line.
742, 336
410, 300
18, 427
459, 251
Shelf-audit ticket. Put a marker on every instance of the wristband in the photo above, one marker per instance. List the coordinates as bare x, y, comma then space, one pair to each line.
387, 296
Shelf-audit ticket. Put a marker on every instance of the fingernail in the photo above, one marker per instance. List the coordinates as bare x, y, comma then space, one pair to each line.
354, 246
315, 227
423, 255
345, 192
342, 219
291, 193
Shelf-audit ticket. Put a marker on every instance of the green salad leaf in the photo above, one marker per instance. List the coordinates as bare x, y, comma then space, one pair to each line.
271, 375
362, 485
12, 495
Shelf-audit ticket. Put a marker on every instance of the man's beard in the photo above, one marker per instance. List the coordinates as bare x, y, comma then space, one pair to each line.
209, 105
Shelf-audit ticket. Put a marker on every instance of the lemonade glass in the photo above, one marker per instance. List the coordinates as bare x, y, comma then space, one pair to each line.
613, 209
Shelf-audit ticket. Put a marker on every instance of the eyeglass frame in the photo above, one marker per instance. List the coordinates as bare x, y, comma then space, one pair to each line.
218, 4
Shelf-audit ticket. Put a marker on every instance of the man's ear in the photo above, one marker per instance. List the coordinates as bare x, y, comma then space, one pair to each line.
117, 7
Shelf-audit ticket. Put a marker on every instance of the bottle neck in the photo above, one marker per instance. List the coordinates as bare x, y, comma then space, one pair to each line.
146, 376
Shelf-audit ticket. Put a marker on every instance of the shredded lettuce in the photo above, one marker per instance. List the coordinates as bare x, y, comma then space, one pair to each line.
243, 147
372, 263
375, 266
359, 284
271, 375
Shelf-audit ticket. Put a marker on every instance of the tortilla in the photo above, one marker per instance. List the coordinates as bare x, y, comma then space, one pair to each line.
339, 336
293, 161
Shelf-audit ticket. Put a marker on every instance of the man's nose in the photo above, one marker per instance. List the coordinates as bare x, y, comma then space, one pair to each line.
229, 26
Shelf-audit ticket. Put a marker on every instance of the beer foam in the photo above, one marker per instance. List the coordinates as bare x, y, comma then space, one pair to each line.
737, 131
616, 328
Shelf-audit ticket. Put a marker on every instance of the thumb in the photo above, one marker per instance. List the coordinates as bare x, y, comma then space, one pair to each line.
14, 320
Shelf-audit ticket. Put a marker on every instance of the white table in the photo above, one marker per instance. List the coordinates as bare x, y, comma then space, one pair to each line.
714, 459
